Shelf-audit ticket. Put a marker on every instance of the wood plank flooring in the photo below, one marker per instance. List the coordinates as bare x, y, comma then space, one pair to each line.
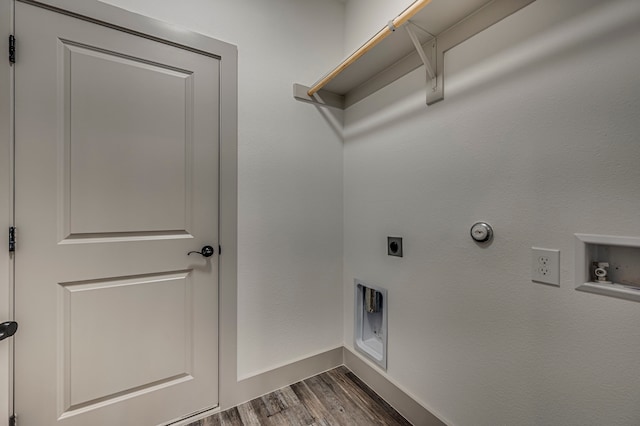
334, 398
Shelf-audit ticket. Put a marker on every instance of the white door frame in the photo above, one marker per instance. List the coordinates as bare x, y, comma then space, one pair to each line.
6, 206
121, 19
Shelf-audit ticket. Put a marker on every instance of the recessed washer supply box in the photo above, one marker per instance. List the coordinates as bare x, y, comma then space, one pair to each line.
370, 334
622, 254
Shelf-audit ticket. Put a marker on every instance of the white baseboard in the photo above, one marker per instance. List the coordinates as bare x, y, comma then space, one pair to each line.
269, 381
278, 378
396, 397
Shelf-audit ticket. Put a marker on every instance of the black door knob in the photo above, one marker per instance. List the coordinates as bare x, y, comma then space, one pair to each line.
8, 329
207, 251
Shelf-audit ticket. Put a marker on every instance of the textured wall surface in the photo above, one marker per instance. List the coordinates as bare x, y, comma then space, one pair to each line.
364, 18
289, 172
538, 135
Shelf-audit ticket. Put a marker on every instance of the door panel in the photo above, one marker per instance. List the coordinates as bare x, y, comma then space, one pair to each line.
116, 180
118, 105
101, 314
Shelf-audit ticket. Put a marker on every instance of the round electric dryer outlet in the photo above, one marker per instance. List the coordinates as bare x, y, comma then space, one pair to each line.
394, 246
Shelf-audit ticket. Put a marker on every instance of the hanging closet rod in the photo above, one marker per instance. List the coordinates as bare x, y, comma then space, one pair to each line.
381, 35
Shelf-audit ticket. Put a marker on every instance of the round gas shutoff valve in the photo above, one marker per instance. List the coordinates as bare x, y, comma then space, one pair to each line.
481, 232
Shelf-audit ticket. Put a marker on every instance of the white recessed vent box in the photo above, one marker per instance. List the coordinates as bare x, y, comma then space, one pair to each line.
608, 265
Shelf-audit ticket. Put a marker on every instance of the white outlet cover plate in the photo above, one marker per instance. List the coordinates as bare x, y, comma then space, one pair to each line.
545, 266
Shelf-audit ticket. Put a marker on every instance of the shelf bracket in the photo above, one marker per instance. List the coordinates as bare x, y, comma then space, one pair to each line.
429, 52
323, 98
428, 64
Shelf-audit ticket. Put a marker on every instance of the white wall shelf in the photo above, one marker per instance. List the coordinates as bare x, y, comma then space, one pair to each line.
437, 27
623, 256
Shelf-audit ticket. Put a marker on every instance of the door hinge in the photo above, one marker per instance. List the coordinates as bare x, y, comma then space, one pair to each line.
12, 238
13, 420
12, 49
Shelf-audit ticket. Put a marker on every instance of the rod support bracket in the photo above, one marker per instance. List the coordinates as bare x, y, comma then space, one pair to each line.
322, 98
427, 60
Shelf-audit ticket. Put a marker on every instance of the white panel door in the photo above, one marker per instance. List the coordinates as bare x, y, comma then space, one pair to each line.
116, 168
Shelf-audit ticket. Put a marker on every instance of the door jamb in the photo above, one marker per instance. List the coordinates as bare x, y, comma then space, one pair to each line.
6, 207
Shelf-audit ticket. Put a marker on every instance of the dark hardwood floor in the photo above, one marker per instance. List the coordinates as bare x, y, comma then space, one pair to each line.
336, 397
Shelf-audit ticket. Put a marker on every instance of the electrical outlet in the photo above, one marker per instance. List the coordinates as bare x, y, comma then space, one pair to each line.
545, 266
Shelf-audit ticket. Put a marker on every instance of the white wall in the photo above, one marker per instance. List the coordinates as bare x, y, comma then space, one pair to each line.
538, 134
289, 172
364, 18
